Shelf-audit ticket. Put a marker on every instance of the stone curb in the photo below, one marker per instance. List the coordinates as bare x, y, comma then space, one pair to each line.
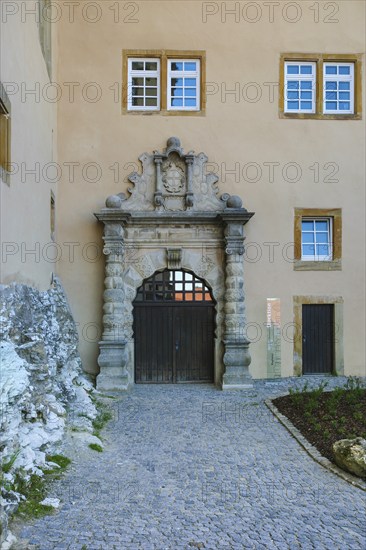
311, 450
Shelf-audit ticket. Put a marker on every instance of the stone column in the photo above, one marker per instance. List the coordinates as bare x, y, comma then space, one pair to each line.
158, 195
236, 358
113, 355
189, 192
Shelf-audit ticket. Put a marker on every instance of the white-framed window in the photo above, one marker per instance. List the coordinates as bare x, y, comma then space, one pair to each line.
143, 84
338, 88
183, 84
316, 239
300, 87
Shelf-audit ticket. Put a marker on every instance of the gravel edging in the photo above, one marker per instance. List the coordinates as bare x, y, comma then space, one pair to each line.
311, 450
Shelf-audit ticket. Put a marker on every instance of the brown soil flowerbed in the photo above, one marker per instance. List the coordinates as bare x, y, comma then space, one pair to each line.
324, 417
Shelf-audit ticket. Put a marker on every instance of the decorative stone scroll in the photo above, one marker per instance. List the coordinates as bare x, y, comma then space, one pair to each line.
174, 218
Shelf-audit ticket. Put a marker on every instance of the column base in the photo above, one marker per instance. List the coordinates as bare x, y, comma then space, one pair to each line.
238, 380
112, 361
233, 386
237, 361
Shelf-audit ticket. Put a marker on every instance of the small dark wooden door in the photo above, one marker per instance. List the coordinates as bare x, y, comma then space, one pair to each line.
318, 338
174, 317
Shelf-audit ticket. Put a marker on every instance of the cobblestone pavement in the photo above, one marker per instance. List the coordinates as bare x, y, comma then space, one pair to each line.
189, 466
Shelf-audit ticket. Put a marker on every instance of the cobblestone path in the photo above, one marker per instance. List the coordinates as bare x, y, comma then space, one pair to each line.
188, 467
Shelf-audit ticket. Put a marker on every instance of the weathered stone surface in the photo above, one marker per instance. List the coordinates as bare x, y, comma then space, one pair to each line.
174, 218
350, 455
42, 387
54, 502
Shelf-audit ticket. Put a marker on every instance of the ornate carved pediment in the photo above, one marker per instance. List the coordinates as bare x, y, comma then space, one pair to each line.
171, 181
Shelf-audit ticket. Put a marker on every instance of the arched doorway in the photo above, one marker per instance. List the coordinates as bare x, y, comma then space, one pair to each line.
174, 323
188, 228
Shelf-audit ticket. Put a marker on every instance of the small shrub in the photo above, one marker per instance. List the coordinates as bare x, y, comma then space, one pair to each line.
96, 447
34, 490
62, 461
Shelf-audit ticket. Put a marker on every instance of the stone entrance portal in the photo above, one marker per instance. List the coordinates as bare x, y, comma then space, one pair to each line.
174, 220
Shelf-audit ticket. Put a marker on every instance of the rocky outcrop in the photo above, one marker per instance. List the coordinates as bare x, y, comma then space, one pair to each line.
350, 455
42, 388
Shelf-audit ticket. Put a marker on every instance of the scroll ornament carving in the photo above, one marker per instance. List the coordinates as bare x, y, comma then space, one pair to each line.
234, 247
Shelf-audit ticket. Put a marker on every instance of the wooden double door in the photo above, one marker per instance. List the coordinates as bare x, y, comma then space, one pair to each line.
174, 318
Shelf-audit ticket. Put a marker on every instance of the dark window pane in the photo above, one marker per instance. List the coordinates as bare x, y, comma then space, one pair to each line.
151, 66
176, 66
177, 81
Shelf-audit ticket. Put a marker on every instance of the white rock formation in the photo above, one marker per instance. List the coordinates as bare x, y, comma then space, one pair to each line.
42, 388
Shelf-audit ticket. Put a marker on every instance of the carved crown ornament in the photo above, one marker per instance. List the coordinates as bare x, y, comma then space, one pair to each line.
173, 181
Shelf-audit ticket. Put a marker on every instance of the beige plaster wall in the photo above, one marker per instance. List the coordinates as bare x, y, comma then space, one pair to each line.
25, 202
234, 132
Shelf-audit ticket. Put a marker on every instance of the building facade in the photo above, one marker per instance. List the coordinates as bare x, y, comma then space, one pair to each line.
267, 101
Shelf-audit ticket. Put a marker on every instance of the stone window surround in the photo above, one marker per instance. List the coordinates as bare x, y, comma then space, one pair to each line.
298, 302
164, 55
320, 59
336, 216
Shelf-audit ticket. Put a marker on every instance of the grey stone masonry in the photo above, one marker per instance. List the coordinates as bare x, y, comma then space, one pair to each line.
174, 218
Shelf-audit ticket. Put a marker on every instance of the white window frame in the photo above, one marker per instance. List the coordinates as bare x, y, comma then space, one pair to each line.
339, 78
312, 78
143, 74
315, 257
183, 74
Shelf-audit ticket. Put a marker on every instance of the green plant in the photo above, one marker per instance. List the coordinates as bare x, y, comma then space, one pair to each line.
34, 490
96, 447
103, 417
62, 461
7, 466
100, 421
